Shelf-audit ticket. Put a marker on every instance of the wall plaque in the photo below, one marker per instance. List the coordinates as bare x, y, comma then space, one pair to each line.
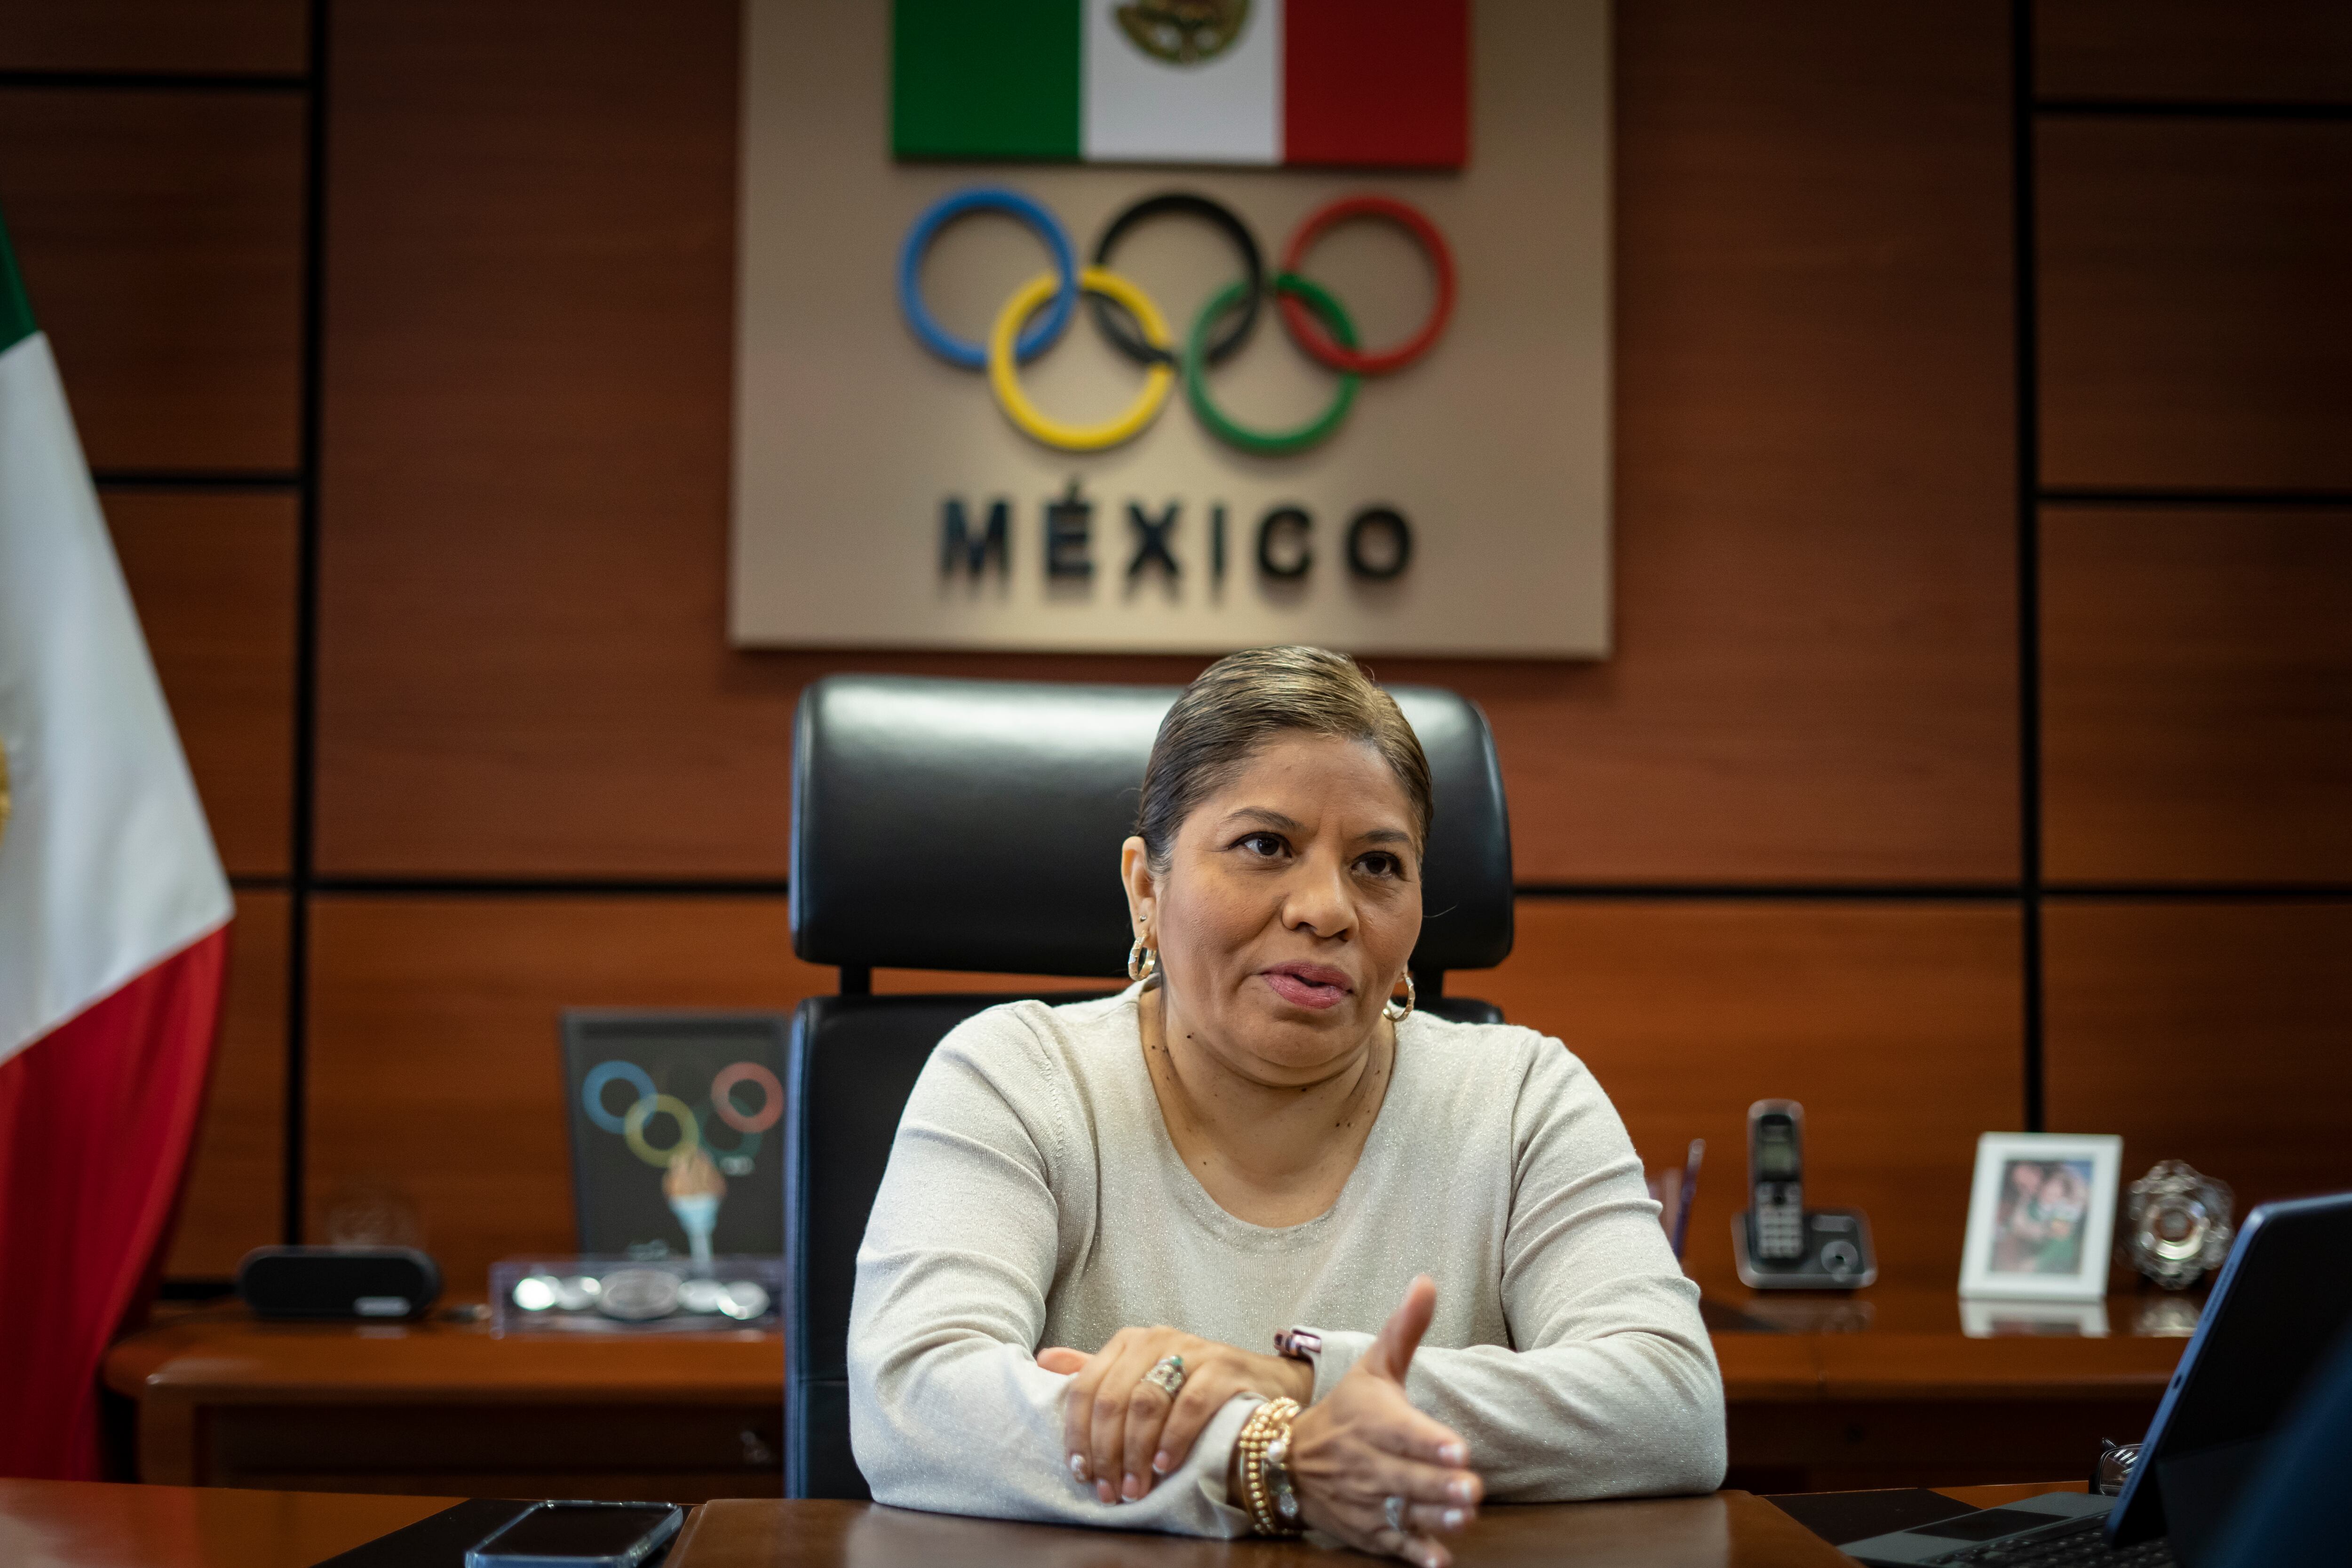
1004, 380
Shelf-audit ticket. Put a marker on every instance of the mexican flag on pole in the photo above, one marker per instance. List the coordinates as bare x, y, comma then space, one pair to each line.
113, 930
1370, 83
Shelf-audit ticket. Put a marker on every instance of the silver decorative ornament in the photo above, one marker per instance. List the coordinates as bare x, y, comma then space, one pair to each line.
2177, 1225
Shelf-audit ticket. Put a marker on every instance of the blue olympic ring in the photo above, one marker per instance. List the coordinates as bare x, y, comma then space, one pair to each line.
985, 199
592, 1092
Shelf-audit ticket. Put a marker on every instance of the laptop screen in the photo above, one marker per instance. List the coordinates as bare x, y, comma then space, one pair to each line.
2280, 1303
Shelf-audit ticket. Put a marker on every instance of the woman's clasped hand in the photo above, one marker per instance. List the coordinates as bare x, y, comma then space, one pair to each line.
1351, 1452
1122, 1433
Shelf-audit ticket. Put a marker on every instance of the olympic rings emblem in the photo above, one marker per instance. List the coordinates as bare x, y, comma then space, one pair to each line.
1037, 313
689, 1126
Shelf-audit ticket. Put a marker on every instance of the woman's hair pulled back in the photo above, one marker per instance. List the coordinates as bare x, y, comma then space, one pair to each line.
1246, 699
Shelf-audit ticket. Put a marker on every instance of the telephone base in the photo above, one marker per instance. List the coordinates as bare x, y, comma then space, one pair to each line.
1837, 1255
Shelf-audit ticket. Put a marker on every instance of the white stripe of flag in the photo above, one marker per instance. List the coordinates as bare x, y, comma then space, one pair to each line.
106, 865
1227, 109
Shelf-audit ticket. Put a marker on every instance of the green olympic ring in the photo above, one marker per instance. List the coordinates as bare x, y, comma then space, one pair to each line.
1268, 443
747, 1144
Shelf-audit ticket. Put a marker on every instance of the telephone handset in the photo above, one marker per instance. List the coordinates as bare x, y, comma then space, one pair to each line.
1776, 1177
1778, 1243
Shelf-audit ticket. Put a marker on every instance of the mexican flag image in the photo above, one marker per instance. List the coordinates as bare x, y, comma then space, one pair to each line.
113, 930
1365, 83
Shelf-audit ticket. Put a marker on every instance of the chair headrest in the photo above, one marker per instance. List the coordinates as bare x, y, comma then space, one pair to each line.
975, 825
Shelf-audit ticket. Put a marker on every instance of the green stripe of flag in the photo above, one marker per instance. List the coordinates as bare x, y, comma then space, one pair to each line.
985, 80
15, 310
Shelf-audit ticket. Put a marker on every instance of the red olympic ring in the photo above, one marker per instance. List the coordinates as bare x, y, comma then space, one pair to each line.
1313, 337
722, 1103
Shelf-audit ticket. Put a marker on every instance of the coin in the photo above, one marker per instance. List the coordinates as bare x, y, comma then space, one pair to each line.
746, 1299
535, 1292
702, 1296
635, 1295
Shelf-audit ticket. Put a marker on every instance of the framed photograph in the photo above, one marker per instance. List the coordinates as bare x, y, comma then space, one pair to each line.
2041, 1216
676, 1132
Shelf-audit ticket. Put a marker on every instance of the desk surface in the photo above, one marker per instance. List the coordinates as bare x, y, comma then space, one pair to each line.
67, 1524
94, 1524
1882, 1389
1882, 1343
1730, 1528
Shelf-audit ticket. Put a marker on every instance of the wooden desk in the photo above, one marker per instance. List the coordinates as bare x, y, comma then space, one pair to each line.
92, 1524
441, 1407
1896, 1395
1903, 1399
1729, 1530
54, 1524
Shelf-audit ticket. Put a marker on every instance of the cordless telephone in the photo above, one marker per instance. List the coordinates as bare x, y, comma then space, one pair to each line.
1776, 1177
1778, 1243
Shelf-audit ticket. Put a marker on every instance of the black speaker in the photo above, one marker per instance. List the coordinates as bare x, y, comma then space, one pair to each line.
338, 1281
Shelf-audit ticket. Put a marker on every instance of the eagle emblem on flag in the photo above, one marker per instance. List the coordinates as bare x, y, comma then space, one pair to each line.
1184, 32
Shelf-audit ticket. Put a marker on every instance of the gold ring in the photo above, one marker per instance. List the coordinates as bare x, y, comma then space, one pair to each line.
1005, 378
1167, 1374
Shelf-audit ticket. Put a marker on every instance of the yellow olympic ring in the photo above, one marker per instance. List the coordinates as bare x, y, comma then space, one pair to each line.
633, 1128
1006, 381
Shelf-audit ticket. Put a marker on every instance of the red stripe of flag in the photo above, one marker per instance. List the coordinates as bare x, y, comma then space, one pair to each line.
97, 1120
1382, 82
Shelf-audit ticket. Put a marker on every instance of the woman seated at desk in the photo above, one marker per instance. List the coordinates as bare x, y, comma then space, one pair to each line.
1101, 1221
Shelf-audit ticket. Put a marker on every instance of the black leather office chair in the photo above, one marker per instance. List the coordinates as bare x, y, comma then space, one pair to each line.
975, 826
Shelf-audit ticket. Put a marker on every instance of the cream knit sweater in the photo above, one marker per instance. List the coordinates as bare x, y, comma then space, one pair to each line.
1034, 1199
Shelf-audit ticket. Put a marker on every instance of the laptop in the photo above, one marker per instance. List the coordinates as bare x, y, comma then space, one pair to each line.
2282, 1302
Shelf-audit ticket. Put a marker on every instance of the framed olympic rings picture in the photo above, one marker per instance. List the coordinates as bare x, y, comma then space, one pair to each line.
677, 1123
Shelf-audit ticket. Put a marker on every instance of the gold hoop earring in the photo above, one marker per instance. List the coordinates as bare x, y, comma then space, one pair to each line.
1143, 963
1396, 1012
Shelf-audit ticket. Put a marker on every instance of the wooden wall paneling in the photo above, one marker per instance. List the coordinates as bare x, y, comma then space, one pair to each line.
213, 576
523, 648
234, 1196
434, 1077
161, 237
1814, 674
435, 1074
2197, 695
523, 664
2210, 1032
2252, 51
527, 372
2195, 329
206, 36
1896, 1025
523, 659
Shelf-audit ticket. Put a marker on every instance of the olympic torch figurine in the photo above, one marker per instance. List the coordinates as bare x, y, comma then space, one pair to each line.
694, 1188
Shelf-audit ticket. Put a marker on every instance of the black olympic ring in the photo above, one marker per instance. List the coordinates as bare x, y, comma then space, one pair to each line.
1115, 322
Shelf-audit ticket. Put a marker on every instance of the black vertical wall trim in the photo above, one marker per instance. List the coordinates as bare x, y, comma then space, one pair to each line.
305, 631
2025, 263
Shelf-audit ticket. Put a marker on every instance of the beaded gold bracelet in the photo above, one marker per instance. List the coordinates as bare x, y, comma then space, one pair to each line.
1269, 1426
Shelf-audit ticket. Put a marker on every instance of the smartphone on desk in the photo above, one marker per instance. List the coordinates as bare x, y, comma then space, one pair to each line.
579, 1535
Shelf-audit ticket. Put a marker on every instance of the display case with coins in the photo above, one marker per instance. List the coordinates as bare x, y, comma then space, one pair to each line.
635, 1296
